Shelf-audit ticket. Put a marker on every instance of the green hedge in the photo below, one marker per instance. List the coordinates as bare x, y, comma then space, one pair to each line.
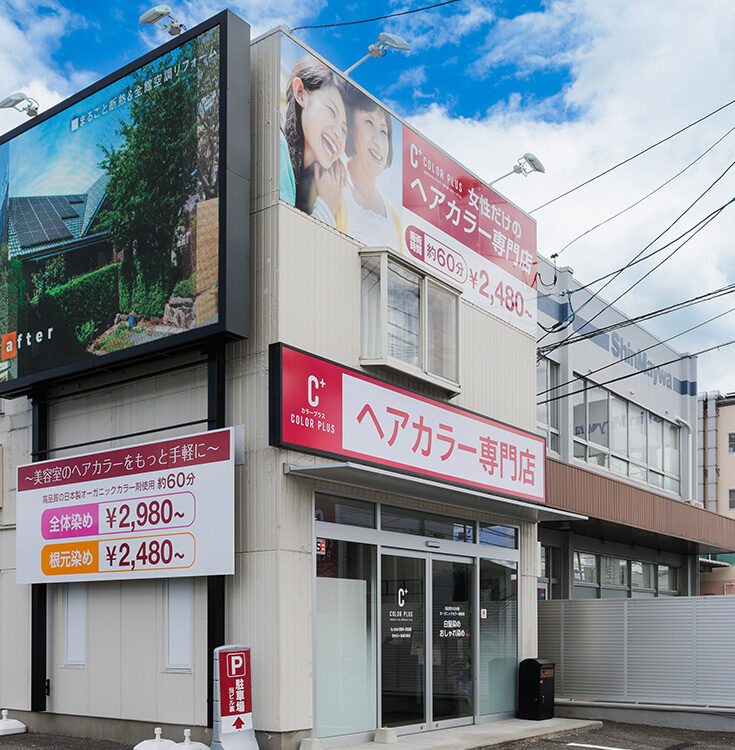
87, 304
146, 300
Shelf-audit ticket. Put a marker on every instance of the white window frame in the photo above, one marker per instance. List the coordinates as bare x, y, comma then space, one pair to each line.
452, 387
546, 427
649, 470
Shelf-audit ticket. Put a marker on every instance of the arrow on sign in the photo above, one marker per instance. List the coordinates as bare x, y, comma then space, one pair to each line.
238, 723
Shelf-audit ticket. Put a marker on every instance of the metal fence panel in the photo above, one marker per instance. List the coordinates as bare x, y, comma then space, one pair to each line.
671, 651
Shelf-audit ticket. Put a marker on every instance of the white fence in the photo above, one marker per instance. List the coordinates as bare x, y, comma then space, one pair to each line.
674, 651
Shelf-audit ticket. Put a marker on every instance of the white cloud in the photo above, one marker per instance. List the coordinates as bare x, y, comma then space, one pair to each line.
31, 33
639, 70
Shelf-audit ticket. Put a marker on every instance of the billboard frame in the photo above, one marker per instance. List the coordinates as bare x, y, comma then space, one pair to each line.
233, 305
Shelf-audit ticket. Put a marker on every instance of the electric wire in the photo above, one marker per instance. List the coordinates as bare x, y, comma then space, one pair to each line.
616, 273
637, 372
706, 297
560, 325
635, 156
377, 18
636, 353
647, 195
645, 275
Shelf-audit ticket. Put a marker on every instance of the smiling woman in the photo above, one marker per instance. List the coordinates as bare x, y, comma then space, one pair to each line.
312, 140
370, 216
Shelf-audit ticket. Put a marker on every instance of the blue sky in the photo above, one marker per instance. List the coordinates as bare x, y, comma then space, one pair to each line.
581, 83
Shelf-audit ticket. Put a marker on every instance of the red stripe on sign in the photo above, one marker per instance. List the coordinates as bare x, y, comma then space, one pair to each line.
165, 455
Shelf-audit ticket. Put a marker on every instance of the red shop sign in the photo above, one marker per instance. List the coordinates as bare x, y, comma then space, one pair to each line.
322, 407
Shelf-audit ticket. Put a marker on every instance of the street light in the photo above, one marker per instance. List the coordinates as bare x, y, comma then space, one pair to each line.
14, 101
380, 48
154, 15
526, 164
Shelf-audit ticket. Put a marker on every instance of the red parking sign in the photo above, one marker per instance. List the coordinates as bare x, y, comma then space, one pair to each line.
236, 702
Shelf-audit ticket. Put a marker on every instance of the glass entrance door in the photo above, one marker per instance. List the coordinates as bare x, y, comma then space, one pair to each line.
426, 599
452, 631
403, 640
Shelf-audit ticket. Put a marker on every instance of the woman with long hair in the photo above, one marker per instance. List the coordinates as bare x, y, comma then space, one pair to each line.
313, 136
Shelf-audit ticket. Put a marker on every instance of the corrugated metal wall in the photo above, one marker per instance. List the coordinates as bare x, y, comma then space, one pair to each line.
674, 651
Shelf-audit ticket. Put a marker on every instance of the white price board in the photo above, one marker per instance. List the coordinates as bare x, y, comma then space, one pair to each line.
155, 510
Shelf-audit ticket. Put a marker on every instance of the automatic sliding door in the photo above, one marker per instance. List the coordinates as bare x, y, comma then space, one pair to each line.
452, 628
403, 640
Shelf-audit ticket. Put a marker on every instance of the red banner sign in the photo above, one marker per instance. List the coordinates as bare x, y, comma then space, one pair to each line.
323, 407
235, 691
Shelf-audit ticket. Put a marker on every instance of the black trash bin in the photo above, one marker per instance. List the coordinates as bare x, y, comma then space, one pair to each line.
536, 689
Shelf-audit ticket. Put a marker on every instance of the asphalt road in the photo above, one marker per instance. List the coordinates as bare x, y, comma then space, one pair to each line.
614, 736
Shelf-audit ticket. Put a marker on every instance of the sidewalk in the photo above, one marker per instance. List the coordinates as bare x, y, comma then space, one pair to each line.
480, 736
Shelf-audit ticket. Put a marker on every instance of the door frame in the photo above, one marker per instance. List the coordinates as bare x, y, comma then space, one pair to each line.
429, 724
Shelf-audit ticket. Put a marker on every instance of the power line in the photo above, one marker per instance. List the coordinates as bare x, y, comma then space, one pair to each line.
377, 18
694, 232
616, 273
640, 351
638, 372
559, 326
714, 294
661, 234
635, 156
647, 195
645, 275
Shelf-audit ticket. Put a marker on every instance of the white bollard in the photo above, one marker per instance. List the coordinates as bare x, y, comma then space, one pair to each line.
158, 743
11, 726
189, 745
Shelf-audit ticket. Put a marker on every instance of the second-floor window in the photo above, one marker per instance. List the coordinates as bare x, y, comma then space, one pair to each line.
409, 320
613, 433
547, 406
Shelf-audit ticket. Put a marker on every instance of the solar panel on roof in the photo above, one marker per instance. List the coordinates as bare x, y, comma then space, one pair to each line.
37, 222
63, 207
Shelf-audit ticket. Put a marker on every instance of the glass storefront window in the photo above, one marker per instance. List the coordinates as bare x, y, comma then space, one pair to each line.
344, 510
668, 578
613, 571
619, 466
408, 521
577, 400
618, 425
637, 419
655, 441
585, 567
642, 575
597, 424
597, 457
500, 536
498, 636
345, 649
671, 448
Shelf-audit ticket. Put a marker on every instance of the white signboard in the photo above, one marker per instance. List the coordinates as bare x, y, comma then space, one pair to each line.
155, 510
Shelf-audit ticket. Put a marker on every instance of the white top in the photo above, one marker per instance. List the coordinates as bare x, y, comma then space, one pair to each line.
369, 227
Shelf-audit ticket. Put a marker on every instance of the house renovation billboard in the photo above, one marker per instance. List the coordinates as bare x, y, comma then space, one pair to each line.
110, 213
347, 161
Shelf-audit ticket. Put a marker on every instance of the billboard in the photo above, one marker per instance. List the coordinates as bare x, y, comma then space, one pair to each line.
113, 217
154, 510
321, 407
346, 160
